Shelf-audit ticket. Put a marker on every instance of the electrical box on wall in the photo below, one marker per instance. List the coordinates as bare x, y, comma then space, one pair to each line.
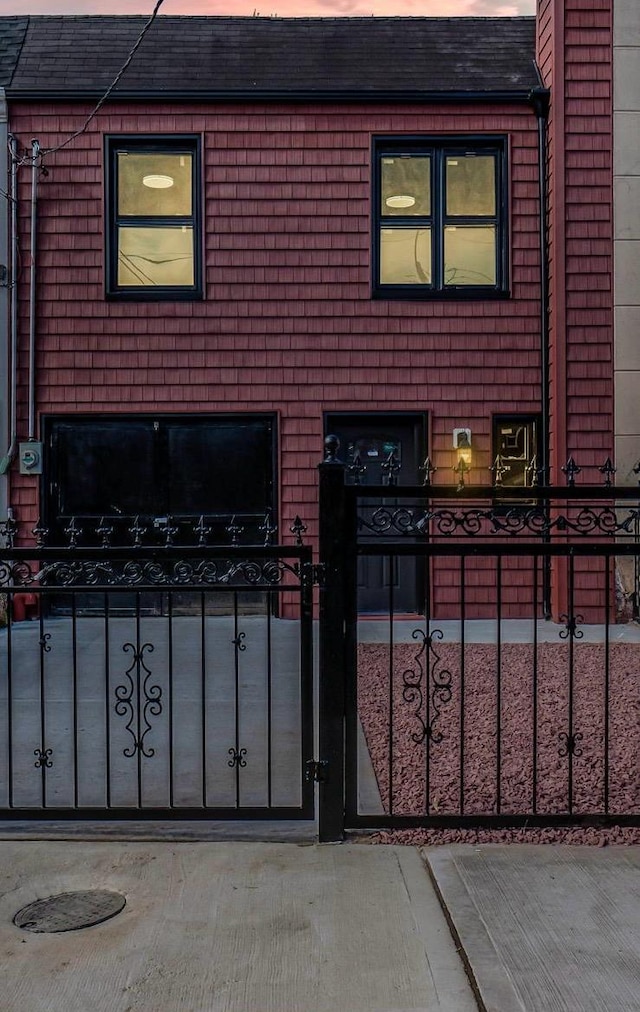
30, 458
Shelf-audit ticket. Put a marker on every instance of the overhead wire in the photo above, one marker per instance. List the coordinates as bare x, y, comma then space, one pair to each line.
114, 83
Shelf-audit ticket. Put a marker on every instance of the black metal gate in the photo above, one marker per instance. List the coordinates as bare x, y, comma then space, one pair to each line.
513, 697
109, 707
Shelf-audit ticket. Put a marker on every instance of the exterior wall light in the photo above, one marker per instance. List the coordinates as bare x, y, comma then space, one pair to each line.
462, 447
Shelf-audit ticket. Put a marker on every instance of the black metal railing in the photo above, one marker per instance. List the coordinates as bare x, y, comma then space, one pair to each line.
509, 696
155, 680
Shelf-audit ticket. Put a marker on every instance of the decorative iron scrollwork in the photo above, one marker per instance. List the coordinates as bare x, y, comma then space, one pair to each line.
157, 572
148, 696
571, 624
43, 758
237, 758
237, 642
439, 686
492, 522
44, 643
569, 744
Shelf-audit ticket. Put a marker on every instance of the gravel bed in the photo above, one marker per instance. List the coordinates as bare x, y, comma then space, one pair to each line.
513, 755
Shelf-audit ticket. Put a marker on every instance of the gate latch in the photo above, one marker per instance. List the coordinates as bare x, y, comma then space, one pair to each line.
314, 573
316, 770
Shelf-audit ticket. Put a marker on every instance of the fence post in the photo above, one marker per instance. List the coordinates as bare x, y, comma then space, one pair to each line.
331, 646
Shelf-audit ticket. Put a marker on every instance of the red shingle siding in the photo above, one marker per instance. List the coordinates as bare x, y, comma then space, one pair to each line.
588, 118
577, 34
287, 323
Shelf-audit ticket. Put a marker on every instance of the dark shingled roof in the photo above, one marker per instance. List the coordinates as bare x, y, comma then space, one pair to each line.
12, 31
269, 57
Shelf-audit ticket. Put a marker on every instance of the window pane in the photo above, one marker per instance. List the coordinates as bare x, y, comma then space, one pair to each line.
515, 445
154, 184
406, 185
471, 184
405, 256
470, 255
155, 256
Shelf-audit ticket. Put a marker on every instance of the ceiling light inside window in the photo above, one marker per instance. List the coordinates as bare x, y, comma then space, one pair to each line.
157, 182
400, 200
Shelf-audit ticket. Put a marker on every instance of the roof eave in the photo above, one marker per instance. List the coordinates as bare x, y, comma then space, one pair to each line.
509, 96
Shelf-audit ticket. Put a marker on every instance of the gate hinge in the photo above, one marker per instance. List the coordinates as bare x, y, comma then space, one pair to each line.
318, 573
314, 573
316, 770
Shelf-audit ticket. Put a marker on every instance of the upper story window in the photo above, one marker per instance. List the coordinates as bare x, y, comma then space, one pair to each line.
440, 218
153, 216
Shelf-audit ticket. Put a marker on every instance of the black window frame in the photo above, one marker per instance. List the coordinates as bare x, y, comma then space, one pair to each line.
439, 148
152, 144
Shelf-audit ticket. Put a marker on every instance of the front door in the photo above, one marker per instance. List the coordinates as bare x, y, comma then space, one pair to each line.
371, 439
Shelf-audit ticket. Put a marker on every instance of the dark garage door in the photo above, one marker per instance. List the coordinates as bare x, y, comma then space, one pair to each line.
152, 467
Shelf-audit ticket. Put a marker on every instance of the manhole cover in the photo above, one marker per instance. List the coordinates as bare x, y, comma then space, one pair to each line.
70, 911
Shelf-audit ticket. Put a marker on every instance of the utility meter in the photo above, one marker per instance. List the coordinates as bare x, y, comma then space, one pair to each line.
30, 458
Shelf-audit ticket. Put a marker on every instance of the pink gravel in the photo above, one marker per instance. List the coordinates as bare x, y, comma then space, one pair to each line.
478, 782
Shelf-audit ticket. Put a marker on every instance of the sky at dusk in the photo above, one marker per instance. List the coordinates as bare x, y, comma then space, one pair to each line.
284, 8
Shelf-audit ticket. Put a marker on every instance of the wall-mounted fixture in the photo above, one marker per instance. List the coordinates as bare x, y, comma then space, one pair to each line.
30, 455
462, 447
462, 444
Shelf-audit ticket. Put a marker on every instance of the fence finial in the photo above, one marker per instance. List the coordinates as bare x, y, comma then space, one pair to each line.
571, 469
390, 468
356, 468
298, 529
607, 471
498, 469
428, 469
331, 447
268, 528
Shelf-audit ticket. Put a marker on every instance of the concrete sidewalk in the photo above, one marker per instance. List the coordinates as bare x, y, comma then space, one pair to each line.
546, 928
231, 927
279, 927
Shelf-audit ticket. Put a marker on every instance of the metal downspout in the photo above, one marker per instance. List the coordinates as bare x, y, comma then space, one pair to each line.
13, 307
6, 391
540, 98
35, 171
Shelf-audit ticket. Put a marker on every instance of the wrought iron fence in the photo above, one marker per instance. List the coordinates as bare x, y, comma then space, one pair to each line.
512, 696
109, 703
